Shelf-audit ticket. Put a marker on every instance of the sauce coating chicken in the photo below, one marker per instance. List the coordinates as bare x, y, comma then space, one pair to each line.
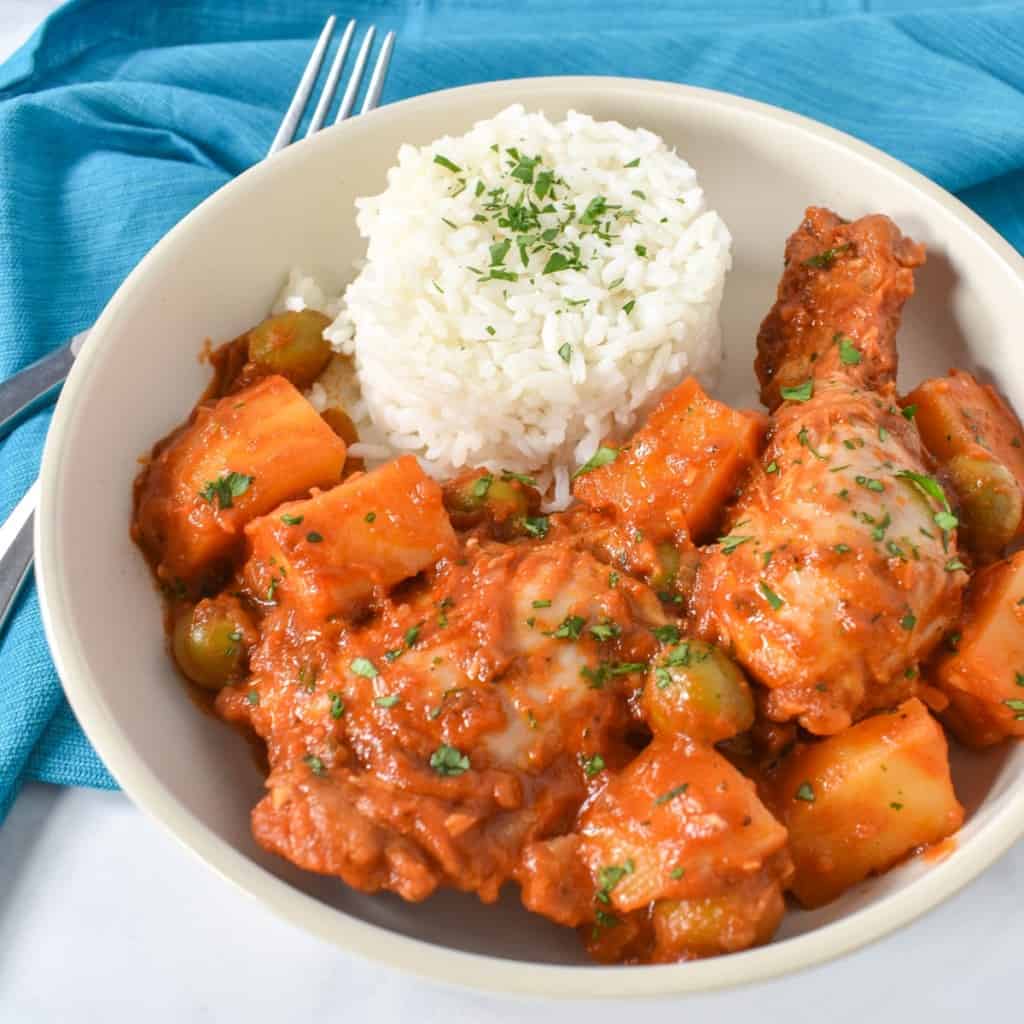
838, 573
456, 690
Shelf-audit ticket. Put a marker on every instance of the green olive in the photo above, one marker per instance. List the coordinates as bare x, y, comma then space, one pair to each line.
697, 690
668, 566
474, 497
291, 344
990, 502
209, 644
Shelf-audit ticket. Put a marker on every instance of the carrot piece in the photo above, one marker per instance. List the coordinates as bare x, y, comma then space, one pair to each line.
687, 461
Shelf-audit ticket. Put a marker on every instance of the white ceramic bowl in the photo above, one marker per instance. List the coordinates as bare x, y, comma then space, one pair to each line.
217, 272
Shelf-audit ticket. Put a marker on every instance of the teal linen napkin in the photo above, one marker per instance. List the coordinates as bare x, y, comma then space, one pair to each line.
118, 117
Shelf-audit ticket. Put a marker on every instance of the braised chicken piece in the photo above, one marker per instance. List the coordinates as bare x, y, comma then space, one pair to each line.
462, 720
838, 572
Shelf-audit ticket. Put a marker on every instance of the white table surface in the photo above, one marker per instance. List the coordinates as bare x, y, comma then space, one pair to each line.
105, 918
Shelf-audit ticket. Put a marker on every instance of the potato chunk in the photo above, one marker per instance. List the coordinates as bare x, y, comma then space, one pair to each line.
859, 801
235, 460
326, 555
979, 442
684, 463
678, 805
682, 832
984, 676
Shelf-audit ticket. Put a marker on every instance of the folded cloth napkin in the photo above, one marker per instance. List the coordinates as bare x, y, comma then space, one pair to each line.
118, 117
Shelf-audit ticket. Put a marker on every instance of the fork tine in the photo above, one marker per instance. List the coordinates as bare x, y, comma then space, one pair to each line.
290, 122
349, 99
373, 90
324, 104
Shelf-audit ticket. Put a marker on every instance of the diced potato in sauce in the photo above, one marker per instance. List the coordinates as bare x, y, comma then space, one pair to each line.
979, 442
234, 461
861, 800
681, 824
983, 675
679, 468
326, 555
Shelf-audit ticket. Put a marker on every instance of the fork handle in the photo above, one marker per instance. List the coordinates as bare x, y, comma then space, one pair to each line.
28, 389
16, 550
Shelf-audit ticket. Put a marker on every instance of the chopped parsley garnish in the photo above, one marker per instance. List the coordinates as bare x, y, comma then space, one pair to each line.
953, 641
677, 873
805, 440
290, 520
666, 634
842, 549
593, 765
226, 488
364, 667
1017, 707
641, 251
570, 628
609, 877
316, 766
671, 794
798, 393
536, 526
442, 612
849, 355
529, 481
909, 621
633, 163
627, 307
595, 677
870, 483
448, 760
772, 467
412, 634
253, 697
805, 792
369, 517
823, 260
556, 261
909, 412
481, 486
387, 701
313, 537
445, 162
565, 352
337, 704
606, 630
394, 654
730, 543
770, 596
613, 579
499, 251
595, 208
600, 458
955, 565
542, 604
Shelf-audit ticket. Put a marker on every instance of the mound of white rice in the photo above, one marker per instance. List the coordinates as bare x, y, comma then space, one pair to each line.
529, 289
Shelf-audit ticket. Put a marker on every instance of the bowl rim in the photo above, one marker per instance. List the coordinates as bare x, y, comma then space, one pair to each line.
459, 968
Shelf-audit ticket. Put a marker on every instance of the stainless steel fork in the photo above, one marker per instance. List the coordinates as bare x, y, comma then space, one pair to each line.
41, 381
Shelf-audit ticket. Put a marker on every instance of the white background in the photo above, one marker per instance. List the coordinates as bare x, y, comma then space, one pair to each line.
104, 918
